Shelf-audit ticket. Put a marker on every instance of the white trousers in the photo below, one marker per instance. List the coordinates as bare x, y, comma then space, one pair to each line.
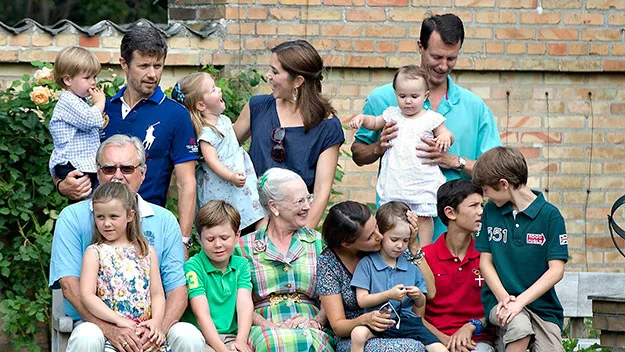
182, 337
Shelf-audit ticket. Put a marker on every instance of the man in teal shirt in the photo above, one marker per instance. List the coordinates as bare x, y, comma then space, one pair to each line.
468, 117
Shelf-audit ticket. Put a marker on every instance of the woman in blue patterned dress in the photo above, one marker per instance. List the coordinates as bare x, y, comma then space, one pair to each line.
283, 260
349, 231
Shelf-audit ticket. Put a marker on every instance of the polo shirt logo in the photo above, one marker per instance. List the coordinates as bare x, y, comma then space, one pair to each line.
564, 239
497, 234
536, 238
149, 136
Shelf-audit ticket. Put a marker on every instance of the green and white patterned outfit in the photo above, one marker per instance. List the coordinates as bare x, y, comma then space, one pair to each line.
293, 273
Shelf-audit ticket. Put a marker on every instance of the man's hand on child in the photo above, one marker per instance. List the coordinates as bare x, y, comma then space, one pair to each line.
398, 292
238, 179
356, 121
434, 156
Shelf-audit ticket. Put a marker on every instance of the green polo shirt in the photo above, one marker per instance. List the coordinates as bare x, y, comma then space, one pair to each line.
220, 289
521, 247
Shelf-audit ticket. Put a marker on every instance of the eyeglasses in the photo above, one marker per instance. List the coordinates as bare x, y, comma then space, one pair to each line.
300, 202
112, 169
278, 153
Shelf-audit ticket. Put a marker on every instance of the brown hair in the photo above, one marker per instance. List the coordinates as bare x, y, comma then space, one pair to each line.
73, 61
344, 223
390, 214
120, 191
411, 72
215, 213
299, 58
500, 163
191, 86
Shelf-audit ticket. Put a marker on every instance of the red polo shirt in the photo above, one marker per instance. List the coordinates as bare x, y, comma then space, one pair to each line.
458, 288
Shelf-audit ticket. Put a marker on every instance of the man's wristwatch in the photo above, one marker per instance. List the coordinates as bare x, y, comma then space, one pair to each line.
187, 241
461, 163
478, 326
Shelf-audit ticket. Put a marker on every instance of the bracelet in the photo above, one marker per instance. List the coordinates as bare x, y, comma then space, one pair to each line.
56, 185
478, 326
415, 258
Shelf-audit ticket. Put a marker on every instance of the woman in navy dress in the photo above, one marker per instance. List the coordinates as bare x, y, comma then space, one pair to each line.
295, 127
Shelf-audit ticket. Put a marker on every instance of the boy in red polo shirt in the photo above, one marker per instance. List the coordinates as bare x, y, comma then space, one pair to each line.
456, 315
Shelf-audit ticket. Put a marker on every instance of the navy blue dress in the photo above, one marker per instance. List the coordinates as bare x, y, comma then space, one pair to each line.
302, 149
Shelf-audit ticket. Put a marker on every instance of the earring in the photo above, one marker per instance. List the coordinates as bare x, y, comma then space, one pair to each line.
276, 213
295, 95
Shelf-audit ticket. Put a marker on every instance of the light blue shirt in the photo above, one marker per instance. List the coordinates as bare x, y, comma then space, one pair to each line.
468, 118
73, 233
374, 275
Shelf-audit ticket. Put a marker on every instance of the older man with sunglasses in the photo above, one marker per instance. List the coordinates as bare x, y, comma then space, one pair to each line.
121, 159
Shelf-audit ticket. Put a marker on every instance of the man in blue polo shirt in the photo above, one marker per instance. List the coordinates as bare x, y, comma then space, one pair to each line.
142, 110
468, 117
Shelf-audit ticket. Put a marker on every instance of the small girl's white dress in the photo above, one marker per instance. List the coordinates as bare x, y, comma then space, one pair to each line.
403, 175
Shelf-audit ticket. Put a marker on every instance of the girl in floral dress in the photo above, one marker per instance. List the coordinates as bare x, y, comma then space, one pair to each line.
120, 281
227, 172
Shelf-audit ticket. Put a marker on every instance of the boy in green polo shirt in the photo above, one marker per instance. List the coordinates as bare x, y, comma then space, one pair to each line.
524, 248
220, 290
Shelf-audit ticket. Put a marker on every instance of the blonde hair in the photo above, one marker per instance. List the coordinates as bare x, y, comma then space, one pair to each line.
411, 72
73, 61
215, 213
120, 191
191, 87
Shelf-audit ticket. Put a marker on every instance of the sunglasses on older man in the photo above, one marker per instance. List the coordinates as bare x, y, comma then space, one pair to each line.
278, 153
112, 169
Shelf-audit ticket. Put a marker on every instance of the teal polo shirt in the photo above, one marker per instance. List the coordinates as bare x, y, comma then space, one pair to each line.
468, 118
220, 289
521, 247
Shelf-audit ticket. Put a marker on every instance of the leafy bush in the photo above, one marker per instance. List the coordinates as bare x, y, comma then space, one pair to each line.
29, 202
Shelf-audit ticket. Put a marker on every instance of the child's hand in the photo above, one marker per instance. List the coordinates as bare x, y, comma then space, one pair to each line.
413, 292
97, 95
238, 179
443, 142
125, 323
240, 346
356, 121
398, 292
155, 334
506, 314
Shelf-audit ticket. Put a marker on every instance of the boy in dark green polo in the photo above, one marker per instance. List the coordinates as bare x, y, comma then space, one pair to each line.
524, 248
220, 290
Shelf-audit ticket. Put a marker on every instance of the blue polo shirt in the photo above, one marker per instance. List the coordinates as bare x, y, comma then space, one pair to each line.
522, 246
73, 233
468, 118
374, 275
167, 133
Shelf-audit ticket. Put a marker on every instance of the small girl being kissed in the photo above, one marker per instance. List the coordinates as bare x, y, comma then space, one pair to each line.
120, 281
386, 281
403, 175
227, 172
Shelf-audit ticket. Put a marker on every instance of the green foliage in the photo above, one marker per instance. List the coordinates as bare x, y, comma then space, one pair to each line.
570, 345
83, 12
236, 87
29, 204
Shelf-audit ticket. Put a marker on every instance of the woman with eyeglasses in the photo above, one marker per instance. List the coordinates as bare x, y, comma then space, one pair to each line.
282, 258
295, 127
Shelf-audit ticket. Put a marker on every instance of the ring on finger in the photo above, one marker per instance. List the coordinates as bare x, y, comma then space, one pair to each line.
125, 344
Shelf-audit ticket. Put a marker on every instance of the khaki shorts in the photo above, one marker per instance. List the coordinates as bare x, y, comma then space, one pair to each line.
227, 339
546, 336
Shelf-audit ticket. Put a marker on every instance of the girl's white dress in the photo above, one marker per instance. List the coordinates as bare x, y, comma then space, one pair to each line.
403, 176
231, 154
